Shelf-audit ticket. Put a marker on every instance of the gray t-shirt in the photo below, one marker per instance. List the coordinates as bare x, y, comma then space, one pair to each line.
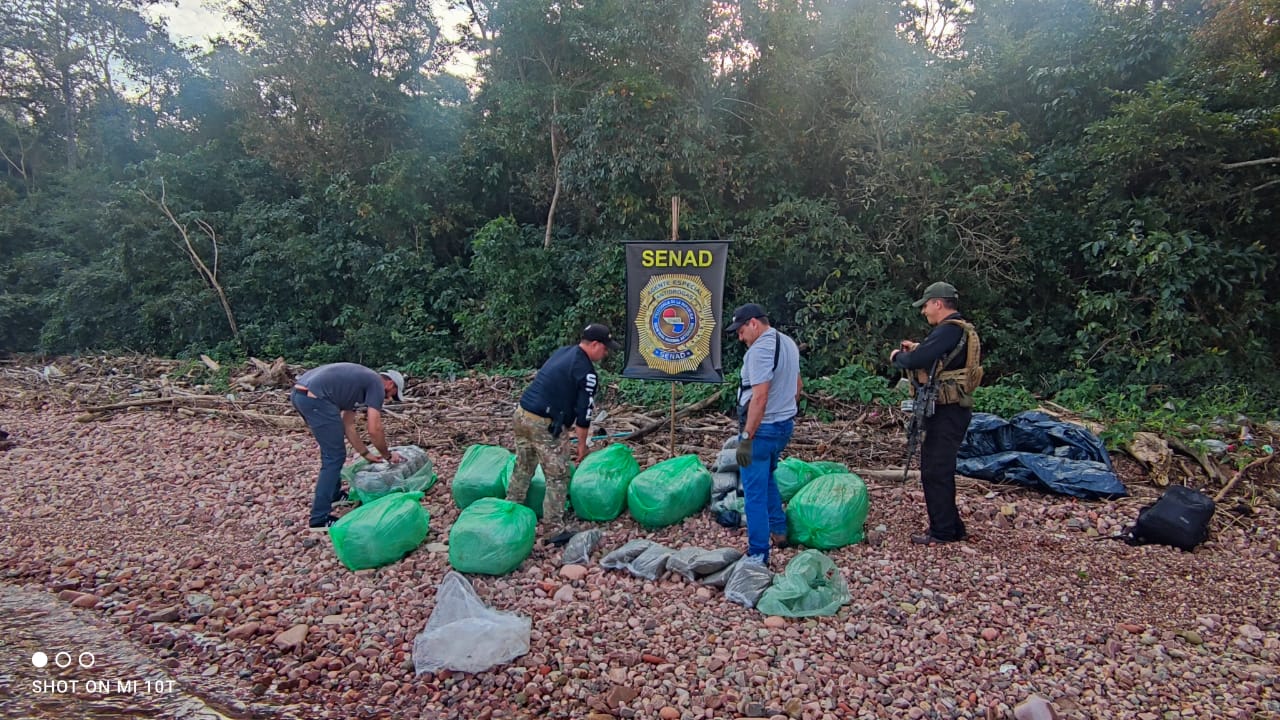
758, 367
345, 385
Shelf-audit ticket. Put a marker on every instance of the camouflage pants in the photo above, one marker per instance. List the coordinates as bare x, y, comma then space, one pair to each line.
536, 446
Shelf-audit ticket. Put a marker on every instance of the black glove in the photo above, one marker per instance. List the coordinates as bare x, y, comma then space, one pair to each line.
743, 455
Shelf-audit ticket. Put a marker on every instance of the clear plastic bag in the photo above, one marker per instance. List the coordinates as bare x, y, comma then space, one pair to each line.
719, 578
620, 558
680, 561
747, 583
712, 561
371, 481
651, 563
724, 483
578, 550
464, 634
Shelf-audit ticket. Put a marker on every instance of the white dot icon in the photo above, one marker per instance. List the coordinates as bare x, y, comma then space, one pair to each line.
39, 659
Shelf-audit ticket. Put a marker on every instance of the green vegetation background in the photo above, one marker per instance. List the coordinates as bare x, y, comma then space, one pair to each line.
1097, 177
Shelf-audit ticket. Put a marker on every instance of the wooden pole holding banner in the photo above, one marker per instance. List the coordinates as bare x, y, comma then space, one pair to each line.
675, 237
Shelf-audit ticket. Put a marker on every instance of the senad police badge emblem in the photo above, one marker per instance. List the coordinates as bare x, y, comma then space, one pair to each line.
675, 323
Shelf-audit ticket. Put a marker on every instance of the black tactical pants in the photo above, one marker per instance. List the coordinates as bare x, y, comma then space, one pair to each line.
943, 434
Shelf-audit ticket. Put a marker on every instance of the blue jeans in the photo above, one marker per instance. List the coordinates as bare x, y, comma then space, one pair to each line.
325, 422
763, 502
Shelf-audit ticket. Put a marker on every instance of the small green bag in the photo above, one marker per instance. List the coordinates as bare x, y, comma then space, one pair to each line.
380, 532
483, 472
669, 492
829, 512
791, 475
599, 488
492, 537
811, 585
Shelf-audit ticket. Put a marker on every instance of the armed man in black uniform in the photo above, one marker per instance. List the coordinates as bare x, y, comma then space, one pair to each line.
561, 395
949, 357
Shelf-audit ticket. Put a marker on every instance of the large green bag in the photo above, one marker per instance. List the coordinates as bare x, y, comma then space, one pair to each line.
791, 475
828, 467
491, 537
829, 512
599, 488
482, 473
811, 585
537, 494
669, 492
380, 532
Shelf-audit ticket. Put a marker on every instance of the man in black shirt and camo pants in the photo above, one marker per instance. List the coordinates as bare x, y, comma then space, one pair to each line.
561, 394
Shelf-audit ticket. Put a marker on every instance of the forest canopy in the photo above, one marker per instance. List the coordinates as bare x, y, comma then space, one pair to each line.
1096, 177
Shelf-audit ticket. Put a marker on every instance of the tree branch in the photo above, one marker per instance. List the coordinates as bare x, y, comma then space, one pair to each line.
1250, 163
210, 276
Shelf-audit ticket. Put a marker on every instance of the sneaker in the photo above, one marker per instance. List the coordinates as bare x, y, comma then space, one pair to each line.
780, 540
560, 538
324, 526
342, 498
756, 560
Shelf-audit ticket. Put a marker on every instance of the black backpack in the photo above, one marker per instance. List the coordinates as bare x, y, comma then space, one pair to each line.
1179, 518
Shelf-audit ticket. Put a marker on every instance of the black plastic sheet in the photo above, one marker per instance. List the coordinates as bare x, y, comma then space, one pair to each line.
1039, 451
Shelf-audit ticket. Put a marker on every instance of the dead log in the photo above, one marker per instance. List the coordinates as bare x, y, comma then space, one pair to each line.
1239, 474
1202, 457
93, 413
273, 375
890, 474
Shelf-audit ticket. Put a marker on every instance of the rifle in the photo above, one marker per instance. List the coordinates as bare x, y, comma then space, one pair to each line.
926, 401
922, 408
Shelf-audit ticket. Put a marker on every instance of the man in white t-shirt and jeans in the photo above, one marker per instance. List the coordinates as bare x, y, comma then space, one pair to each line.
766, 417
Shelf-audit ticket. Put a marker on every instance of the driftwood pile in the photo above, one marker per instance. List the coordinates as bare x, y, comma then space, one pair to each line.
445, 416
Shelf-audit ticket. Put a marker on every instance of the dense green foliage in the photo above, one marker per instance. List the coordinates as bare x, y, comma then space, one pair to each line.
1096, 176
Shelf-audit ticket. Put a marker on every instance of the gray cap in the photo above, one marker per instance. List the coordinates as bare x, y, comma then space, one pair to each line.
398, 379
937, 290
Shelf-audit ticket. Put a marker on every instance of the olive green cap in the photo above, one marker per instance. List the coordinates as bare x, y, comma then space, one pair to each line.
937, 290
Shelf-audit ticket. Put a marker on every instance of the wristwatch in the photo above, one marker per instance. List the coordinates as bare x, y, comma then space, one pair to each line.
744, 436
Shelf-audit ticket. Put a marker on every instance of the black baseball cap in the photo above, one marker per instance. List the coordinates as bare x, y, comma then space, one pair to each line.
745, 313
600, 333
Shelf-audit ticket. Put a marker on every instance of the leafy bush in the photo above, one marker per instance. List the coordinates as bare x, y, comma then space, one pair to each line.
855, 383
1006, 398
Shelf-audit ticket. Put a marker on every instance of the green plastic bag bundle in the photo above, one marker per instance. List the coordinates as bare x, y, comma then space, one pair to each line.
828, 467
791, 475
491, 537
380, 532
829, 512
811, 585
537, 488
599, 488
482, 473
669, 492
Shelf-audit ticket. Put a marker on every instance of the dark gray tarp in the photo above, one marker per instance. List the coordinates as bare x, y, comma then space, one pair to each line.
1039, 451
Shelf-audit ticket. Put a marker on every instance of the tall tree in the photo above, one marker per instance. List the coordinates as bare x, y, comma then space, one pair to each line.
331, 86
59, 58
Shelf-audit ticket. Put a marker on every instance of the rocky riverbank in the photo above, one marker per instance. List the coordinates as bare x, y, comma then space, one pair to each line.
188, 535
